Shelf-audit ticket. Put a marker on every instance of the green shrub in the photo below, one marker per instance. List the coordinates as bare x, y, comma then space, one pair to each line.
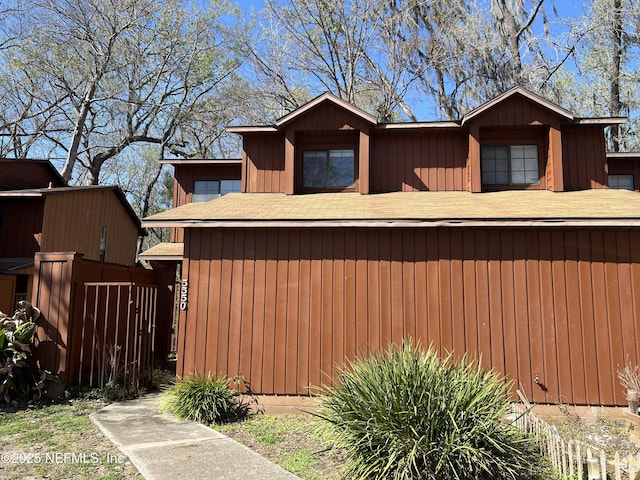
406, 414
204, 398
20, 379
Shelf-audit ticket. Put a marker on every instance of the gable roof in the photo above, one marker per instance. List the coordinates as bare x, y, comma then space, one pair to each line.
28, 173
43, 192
537, 99
326, 98
201, 161
601, 207
163, 251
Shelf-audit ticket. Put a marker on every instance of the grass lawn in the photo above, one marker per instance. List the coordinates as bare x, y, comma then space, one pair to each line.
290, 441
59, 442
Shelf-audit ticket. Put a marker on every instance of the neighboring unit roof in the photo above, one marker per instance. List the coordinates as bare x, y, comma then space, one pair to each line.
163, 251
28, 173
12, 265
602, 207
43, 192
201, 161
624, 155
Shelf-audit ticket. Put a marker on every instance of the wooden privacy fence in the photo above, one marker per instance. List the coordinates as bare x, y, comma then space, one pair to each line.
573, 460
117, 336
100, 322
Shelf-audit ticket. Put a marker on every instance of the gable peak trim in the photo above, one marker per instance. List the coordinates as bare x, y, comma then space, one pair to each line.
326, 97
524, 93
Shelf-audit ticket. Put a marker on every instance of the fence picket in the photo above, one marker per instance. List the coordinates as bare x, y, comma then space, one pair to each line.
116, 331
570, 459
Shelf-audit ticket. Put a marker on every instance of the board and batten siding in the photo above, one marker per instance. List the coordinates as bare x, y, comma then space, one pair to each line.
285, 308
584, 157
20, 227
420, 160
73, 221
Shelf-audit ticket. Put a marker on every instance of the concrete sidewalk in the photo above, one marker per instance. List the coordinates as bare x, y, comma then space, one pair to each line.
163, 447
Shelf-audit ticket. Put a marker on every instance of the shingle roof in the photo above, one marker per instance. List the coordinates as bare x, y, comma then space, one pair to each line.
602, 207
163, 251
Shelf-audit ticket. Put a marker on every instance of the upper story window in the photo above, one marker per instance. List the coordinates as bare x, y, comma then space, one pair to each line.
328, 169
205, 190
510, 165
623, 182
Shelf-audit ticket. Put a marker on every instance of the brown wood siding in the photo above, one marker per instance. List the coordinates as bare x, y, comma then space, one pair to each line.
7, 290
583, 151
418, 160
265, 169
285, 308
73, 222
514, 111
327, 117
185, 175
20, 226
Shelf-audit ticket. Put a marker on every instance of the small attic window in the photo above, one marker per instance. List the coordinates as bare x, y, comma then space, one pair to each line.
621, 182
205, 190
326, 170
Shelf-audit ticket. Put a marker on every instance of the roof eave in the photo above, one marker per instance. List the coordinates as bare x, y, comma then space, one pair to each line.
201, 161
417, 125
242, 130
601, 121
403, 223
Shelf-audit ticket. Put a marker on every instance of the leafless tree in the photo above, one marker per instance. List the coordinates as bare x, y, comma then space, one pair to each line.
115, 73
306, 47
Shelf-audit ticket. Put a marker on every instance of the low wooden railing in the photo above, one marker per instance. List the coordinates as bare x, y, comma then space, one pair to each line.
573, 460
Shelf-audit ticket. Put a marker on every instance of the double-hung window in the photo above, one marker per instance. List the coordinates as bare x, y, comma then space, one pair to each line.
205, 190
328, 169
510, 165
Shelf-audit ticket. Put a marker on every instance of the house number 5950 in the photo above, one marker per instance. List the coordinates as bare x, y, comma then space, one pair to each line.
184, 294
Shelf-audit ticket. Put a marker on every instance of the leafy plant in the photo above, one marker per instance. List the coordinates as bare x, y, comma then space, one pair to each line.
19, 379
406, 414
204, 398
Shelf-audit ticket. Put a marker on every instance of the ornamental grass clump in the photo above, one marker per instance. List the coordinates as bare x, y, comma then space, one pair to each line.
204, 398
407, 414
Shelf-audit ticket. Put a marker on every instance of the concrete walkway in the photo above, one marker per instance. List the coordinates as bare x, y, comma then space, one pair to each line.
163, 447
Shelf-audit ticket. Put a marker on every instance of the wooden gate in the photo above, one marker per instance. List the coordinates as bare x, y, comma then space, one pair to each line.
117, 336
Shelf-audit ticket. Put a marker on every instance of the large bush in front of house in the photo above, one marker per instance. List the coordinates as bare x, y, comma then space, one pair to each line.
204, 398
407, 414
19, 379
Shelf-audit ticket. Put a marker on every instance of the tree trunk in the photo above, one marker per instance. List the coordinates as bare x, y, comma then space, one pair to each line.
72, 154
615, 103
